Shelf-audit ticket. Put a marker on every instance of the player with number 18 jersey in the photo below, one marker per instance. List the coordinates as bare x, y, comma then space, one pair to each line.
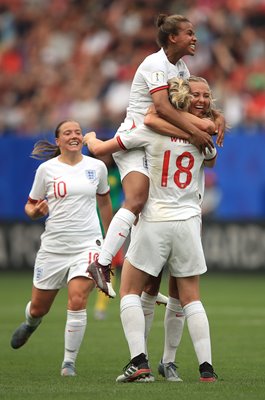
176, 175
168, 230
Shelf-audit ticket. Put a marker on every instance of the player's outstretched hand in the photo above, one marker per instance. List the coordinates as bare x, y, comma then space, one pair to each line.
220, 129
88, 137
40, 209
202, 142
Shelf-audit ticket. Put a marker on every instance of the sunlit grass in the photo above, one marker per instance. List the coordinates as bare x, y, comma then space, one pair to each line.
235, 307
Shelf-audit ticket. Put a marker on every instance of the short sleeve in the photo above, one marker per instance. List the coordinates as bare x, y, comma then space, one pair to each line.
155, 74
103, 186
38, 190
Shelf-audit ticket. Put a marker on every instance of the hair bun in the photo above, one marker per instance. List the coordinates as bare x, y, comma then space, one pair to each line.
161, 19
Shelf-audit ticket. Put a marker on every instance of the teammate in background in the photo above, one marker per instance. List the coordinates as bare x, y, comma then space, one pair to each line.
169, 223
116, 195
102, 301
176, 38
150, 294
67, 188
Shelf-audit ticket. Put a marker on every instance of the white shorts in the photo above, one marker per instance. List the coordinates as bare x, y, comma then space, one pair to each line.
131, 160
54, 271
176, 244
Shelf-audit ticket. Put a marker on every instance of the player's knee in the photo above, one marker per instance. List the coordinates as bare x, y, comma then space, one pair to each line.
136, 203
152, 286
39, 311
185, 300
77, 302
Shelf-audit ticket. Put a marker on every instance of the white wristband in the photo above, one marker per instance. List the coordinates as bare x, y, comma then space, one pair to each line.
210, 154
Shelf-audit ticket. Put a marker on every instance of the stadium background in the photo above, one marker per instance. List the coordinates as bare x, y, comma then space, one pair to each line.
75, 59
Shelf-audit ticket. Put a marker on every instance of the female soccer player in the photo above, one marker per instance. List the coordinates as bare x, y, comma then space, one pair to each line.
168, 232
67, 188
176, 37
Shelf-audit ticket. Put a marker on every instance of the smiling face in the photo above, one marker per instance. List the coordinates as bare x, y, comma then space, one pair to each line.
70, 138
185, 40
201, 98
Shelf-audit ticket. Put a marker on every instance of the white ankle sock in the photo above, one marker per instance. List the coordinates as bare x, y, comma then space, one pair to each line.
74, 332
173, 324
118, 232
132, 318
31, 321
198, 326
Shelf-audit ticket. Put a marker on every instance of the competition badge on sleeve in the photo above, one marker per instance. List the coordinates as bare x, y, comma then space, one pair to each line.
158, 77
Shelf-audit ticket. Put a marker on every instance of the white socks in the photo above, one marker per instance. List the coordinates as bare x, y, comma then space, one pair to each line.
148, 306
173, 324
132, 318
118, 232
31, 321
198, 326
74, 332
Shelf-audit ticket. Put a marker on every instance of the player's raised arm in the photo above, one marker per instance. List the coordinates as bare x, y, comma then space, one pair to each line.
176, 117
99, 147
220, 127
160, 125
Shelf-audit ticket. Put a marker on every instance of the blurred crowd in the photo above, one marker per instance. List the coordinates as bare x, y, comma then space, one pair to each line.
76, 58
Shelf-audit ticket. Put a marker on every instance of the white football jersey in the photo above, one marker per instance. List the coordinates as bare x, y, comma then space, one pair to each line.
151, 75
176, 174
73, 223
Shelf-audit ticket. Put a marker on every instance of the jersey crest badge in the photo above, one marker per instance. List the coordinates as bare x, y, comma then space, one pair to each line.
91, 174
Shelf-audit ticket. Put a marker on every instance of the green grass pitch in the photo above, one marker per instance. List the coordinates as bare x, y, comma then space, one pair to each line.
236, 310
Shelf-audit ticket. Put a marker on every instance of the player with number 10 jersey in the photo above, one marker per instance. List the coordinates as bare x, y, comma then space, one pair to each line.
72, 225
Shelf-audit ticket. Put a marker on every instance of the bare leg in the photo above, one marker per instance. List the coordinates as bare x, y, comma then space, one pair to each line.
135, 186
40, 304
